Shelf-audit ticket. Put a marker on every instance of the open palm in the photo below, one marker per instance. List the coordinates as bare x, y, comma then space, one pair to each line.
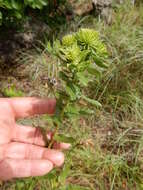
22, 151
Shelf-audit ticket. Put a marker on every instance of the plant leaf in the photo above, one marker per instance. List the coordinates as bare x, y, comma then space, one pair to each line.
0, 18
43, 2
71, 109
83, 79
16, 5
71, 92
91, 101
64, 174
12, 92
99, 62
86, 111
94, 71
76, 187
63, 138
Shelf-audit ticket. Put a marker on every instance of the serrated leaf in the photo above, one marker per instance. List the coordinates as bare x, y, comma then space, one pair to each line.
91, 101
63, 138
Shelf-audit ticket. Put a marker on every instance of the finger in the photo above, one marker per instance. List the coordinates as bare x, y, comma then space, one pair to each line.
28, 134
31, 152
32, 135
11, 168
24, 107
61, 146
5, 132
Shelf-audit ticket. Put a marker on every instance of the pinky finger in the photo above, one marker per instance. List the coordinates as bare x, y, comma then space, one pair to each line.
13, 168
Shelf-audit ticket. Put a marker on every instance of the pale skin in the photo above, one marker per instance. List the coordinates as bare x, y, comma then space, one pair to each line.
22, 148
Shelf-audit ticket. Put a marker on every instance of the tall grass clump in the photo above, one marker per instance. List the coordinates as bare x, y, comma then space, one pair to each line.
121, 93
123, 82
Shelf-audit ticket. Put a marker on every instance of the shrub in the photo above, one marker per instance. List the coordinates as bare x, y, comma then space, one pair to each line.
12, 11
81, 56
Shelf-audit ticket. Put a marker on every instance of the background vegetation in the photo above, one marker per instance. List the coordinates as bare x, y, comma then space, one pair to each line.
15, 12
107, 153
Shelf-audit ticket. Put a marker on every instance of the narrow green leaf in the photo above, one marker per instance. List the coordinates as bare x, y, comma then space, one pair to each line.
63, 138
20, 185
91, 101
83, 65
0, 18
84, 55
63, 76
7, 5
83, 79
70, 91
72, 109
76, 187
15, 4
50, 176
49, 48
64, 174
38, 5
86, 111
99, 62
94, 71
18, 15
43, 2
68, 40
0, 15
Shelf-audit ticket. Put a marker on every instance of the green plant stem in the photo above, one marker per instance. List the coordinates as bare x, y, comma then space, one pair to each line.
55, 132
57, 126
44, 134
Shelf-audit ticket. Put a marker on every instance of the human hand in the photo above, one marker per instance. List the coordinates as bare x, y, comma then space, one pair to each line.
22, 151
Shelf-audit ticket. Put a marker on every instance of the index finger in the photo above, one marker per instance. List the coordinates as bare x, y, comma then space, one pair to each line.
24, 107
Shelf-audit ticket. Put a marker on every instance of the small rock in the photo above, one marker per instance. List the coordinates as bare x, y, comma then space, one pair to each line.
102, 3
103, 9
81, 7
109, 133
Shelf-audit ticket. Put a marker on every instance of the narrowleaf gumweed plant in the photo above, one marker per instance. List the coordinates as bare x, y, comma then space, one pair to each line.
80, 57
